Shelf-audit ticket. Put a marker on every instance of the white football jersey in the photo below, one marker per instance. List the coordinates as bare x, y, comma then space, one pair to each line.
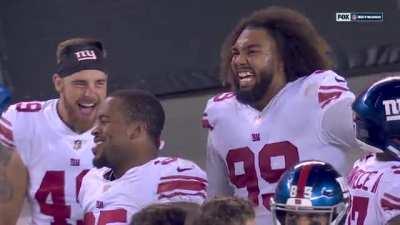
55, 157
375, 191
248, 150
163, 179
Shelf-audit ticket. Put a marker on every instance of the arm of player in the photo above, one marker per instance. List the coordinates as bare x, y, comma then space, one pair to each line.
218, 183
337, 124
185, 182
336, 118
13, 185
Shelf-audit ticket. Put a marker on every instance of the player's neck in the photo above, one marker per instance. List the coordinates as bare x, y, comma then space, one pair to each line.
273, 90
68, 121
138, 160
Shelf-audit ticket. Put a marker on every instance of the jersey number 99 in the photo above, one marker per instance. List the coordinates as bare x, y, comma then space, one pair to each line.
282, 151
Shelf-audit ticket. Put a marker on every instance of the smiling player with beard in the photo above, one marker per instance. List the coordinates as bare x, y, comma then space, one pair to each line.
52, 139
129, 175
285, 106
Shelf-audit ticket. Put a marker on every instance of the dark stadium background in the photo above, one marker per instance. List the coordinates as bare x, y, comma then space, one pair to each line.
164, 46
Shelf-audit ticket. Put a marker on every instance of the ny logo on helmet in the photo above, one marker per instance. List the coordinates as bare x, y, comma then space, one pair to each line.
392, 109
85, 55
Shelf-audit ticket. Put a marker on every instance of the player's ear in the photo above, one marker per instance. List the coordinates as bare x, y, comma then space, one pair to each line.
136, 130
58, 82
279, 64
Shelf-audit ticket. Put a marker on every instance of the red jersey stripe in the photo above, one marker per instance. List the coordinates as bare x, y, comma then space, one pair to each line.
330, 87
184, 177
375, 187
181, 184
174, 194
5, 121
6, 143
386, 205
326, 98
395, 167
6, 132
392, 197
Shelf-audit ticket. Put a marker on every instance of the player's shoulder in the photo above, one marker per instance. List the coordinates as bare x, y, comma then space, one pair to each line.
389, 183
364, 160
388, 172
29, 109
181, 180
326, 87
325, 76
94, 177
96, 173
20, 120
325, 80
221, 100
217, 106
90, 181
174, 166
393, 171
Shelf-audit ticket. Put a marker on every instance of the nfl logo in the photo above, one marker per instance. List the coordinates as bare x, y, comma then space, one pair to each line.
77, 144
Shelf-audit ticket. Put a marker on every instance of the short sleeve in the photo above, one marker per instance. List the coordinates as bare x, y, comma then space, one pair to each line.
182, 181
336, 115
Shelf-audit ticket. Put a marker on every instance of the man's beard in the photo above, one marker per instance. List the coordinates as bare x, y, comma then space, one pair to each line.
73, 113
250, 97
111, 156
103, 157
100, 161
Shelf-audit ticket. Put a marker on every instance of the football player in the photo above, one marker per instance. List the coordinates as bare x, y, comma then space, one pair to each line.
285, 106
129, 175
374, 181
52, 139
311, 193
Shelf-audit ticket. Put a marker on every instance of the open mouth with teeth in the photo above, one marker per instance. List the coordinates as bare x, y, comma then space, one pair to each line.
246, 78
86, 108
